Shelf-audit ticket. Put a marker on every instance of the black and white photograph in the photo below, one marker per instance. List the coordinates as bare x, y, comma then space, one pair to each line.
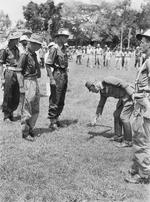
74, 100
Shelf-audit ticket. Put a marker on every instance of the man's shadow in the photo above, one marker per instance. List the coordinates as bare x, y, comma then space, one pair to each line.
63, 124
105, 133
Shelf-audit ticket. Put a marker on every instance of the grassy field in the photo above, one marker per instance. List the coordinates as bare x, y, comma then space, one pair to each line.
76, 163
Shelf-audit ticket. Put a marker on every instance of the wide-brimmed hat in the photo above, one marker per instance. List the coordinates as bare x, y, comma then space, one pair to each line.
35, 39
23, 38
145, 34
25, 32
13, 36
62, 32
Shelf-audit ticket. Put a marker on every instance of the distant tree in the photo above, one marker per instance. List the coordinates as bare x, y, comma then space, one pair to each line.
5, 21
43, 17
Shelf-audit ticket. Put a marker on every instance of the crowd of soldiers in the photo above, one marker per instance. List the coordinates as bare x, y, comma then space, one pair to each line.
98, 57
20, 70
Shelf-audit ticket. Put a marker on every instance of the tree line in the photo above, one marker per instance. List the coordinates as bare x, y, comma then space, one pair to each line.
105, 22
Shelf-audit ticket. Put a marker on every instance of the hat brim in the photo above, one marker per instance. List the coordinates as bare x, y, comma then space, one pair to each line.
35, 41
13, 38
61, 35
140, 36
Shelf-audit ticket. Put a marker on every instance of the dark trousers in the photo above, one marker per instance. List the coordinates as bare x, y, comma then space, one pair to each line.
137, 62
58, 92
11, 93
78, 59
122, 116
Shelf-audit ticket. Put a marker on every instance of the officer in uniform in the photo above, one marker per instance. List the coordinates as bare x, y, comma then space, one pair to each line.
58, 61
140, 169
9, 60
114, 87
31, 72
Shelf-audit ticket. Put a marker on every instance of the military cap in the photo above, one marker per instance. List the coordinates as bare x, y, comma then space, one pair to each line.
23, 38
88, 84
25, 32
35, 39
13, 36
145, 34
62, 32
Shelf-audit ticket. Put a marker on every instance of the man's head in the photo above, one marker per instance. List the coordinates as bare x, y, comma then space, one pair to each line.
92, 87
27, 33
13, 39
145, 41
23, 40
62, 36
34, 43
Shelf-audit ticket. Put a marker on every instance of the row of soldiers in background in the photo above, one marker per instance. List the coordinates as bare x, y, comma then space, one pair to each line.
104, 57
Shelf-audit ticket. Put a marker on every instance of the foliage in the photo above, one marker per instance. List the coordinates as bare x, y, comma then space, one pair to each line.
5, 22
103, 22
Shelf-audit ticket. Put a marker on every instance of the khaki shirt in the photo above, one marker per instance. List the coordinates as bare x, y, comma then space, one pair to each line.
10, 57
57, 57
113, 87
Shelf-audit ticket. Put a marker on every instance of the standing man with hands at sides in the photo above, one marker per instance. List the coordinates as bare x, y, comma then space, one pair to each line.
31, 72
117, 88
57, 60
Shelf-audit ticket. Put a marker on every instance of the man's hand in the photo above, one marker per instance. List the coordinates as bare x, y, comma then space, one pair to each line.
94, 121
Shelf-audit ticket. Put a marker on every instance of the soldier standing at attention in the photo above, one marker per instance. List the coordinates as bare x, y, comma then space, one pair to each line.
9, 60
30, 69
58, 61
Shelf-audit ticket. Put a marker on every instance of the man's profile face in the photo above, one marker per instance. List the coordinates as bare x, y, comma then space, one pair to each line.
145, 44
93, 89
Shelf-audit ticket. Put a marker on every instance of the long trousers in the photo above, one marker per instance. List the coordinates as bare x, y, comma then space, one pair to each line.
58, 92
31, 104
141, 139
78, 59
122, 114
11, 93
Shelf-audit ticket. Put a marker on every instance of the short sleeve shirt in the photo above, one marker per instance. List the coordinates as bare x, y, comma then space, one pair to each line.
10, 57
57, 57
144, 78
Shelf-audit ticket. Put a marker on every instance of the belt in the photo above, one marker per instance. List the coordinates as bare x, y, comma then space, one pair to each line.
14, 69
61, 69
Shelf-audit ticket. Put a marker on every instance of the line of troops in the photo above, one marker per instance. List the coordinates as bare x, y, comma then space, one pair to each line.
97, 57
20, 73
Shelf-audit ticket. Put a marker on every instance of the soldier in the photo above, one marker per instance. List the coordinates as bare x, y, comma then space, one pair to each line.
22, 49
9, 60
140, 169
114, 87
30, 69
98, 56
89, 54
137, 57
79, 55
58, 61
23, 44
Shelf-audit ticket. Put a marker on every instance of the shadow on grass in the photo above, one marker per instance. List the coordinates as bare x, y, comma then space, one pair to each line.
103, 134
63, 124
67, 122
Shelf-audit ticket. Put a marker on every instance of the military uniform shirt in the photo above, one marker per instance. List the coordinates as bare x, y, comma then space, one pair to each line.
113, 87
57, 57
29, 65
10, 57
